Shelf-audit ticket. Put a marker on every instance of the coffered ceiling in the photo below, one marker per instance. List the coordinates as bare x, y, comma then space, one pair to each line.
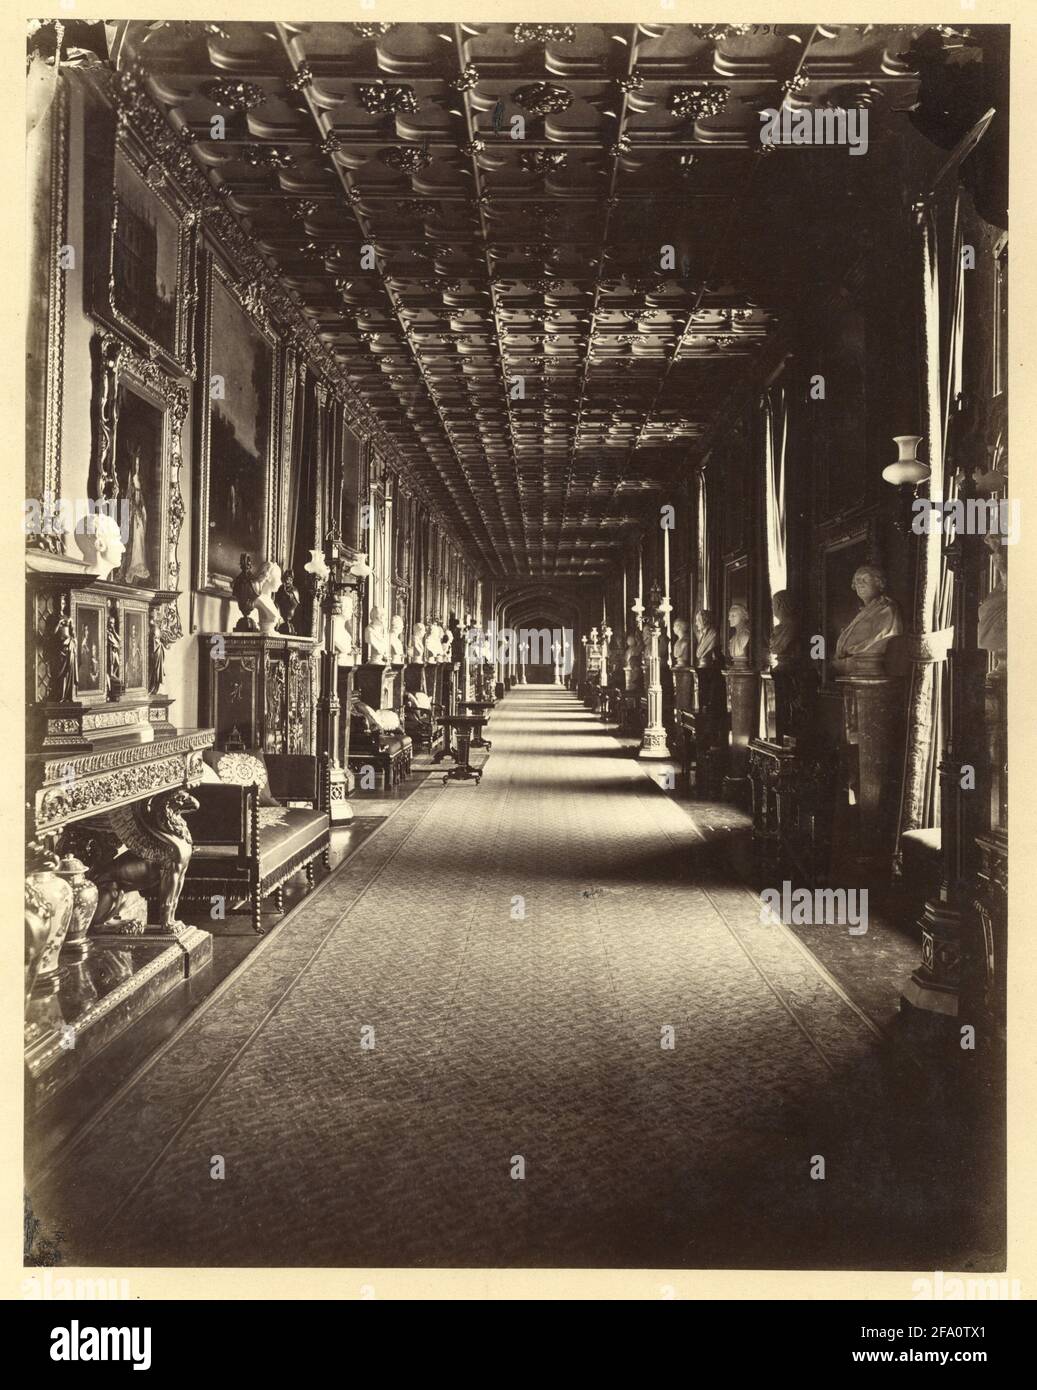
506, 306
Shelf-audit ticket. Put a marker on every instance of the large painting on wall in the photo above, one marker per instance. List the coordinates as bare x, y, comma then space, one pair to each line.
139, 453
139, 411
142, 271
237, 453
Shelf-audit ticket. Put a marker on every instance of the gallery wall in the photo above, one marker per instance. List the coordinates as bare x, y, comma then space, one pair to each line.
324, 465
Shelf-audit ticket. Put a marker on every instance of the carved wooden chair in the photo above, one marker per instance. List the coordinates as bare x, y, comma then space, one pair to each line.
244, 849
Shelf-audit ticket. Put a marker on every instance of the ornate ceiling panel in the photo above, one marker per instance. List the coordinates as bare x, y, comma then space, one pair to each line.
532, 247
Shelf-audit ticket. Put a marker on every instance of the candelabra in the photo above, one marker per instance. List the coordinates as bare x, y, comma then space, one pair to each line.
336, 569
653, 743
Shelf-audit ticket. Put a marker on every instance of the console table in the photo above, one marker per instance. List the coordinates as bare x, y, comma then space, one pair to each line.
466, 726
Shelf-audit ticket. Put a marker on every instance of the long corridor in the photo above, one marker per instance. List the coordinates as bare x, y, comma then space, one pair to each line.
531, 1022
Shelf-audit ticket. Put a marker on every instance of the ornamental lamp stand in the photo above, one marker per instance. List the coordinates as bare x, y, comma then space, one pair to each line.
653, 742
335, 570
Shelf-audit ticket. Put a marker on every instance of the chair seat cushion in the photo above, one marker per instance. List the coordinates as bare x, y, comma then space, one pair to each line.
298, 832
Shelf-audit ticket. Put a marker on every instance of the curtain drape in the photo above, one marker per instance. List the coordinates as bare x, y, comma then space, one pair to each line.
775, 444
942, 325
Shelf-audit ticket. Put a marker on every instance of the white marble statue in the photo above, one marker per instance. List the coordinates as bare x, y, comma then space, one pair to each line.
376, 639
268, 581
681, 653
879, 620
397, 654
434, 641
416, 649
343, 638
738, 645
100, 540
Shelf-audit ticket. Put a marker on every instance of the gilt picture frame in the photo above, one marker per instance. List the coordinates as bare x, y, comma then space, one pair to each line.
238, 407
139, 413
144, 235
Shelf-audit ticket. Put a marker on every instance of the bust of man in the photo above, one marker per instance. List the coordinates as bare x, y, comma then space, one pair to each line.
376, 639
681, 653
397, 655
342, 631
738, 643
784, 644
434, 640
634, 651
100, 540
705, 638
416, 650
268, 581
869, 633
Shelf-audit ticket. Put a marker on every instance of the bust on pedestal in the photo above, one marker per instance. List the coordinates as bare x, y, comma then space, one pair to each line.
376, 639
680, 664
869, 707
865, 638
268, 583
742, 696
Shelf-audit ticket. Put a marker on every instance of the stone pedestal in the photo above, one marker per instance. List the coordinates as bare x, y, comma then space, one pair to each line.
743, 694
683, 687
870, 706
654, 742
373, 683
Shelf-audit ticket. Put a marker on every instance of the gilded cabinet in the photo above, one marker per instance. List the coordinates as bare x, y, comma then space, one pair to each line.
263, 689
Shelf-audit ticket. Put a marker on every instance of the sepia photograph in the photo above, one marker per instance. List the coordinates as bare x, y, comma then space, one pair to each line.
518, 520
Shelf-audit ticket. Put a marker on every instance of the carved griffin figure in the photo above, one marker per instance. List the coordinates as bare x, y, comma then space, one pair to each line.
158, 850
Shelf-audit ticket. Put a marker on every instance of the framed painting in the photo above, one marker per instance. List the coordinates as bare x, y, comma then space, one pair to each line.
134, 649
89, 624
139, 412
237, 450
144, 236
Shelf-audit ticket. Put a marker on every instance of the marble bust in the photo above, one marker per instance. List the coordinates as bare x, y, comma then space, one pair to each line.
268, 582
397, 655
342, 631
434, 635
634, 651
784, 643
681, 652
100, 540
416, 650
992, 630
705, 638
738, 643
376, 639
869, 633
